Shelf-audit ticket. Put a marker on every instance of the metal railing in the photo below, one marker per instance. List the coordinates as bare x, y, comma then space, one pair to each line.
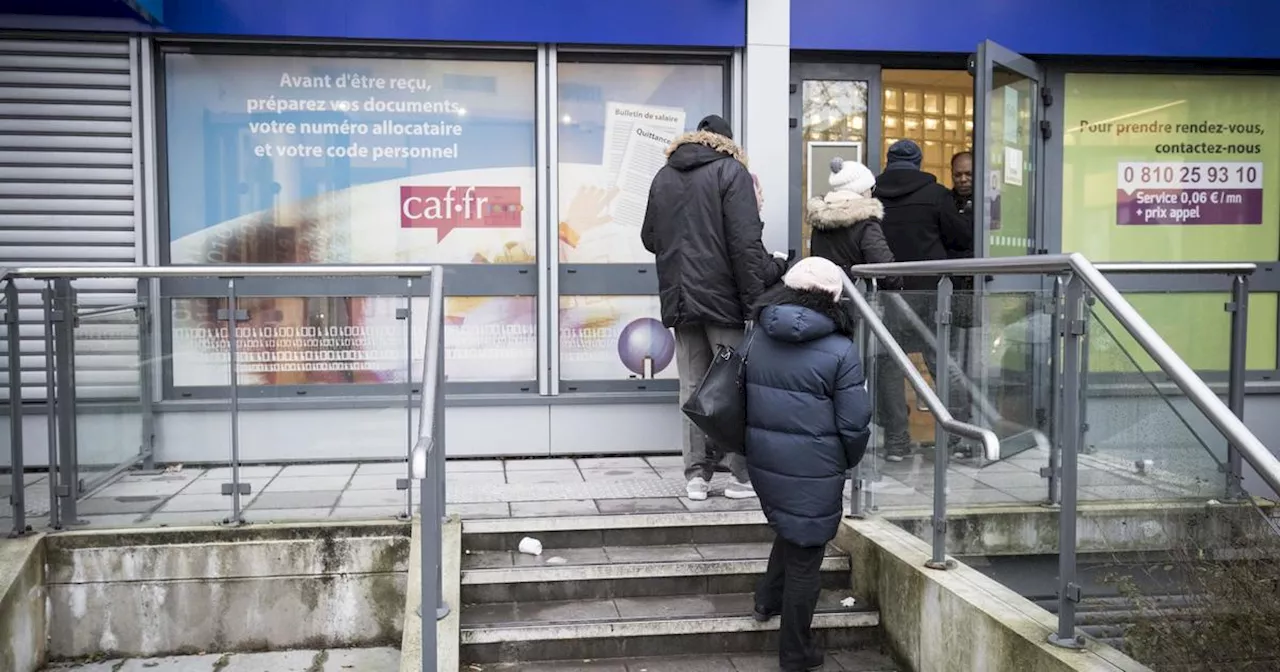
936, 402
1082, 281
425, 453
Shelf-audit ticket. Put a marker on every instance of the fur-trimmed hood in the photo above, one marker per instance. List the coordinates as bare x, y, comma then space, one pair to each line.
781, 309
713, 141
841, 209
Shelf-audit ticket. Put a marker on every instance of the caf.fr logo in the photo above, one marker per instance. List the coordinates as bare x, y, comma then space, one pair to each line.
447, 208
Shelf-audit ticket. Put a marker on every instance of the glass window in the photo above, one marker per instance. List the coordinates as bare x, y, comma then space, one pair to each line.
1171, 168
616, 122
834, 114
486, 338
1203, 341
277, 159
352, 340
291, 341
614, 337
1176, 168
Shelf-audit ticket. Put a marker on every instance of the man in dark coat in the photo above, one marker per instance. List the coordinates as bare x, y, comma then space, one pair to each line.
807, 424
921, 223
703, 224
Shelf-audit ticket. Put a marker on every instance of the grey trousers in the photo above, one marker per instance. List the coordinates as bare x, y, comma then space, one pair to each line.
696, 346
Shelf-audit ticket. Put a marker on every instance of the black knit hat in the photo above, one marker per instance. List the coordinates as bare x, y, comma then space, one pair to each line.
904, 154
716, 124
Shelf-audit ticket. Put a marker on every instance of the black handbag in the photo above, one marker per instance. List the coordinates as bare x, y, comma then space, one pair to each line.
719, 404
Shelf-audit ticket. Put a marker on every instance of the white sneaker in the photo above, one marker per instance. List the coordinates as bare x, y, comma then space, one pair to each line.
737, 490
697, 488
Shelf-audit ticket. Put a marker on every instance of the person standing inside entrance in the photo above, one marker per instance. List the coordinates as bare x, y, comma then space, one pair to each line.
921, 223
963, 313
703, 225
962, 184
807, 424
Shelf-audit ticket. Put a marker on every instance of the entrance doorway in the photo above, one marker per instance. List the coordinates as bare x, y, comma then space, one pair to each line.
856, 111
935, 109
989, 105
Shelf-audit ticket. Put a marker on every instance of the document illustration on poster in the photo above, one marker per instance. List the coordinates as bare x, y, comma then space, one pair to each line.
635, 141
645, 155
295, 160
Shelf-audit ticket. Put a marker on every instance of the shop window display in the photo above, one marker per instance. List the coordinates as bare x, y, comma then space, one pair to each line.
319, 160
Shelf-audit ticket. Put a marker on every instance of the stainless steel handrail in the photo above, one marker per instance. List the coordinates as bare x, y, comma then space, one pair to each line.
213, 271
1041, 264
427, 464
1235, 431
990, 444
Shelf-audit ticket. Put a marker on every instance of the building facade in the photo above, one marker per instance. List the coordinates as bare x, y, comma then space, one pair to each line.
513, 142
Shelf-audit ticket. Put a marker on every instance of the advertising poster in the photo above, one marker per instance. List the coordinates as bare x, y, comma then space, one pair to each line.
1171, 168
617, 121
295, 160
1176, 168
328, 340
614, 337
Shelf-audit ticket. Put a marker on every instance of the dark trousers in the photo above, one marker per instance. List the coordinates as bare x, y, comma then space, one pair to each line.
790, 588
891, 395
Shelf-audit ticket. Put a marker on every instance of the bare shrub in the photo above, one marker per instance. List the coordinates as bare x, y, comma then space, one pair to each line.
1210, 607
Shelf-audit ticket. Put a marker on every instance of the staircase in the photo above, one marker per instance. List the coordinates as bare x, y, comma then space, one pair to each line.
642, 592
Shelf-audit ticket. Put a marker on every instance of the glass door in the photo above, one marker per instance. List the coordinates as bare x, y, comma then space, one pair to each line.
1008, 140
1014, 313
835, 113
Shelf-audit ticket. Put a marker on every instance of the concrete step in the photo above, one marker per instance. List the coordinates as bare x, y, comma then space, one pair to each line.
625, 571
517, 632
659, 529
837, 661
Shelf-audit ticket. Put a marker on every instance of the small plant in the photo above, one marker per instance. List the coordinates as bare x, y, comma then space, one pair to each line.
1209, 609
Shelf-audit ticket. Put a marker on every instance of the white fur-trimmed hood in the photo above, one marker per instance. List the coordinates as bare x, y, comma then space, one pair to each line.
841, 209
713, 140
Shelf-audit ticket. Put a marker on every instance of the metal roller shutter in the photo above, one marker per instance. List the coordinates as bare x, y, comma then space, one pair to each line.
69, 168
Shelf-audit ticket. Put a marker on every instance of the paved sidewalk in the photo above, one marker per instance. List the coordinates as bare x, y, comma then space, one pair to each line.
329, 660
540, 487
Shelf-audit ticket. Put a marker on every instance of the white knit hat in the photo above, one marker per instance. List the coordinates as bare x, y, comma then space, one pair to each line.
851, 176
816, 274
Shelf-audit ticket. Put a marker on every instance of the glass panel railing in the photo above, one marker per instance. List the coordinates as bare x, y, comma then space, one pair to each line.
998, 350
360, 356
1143, 439
107, 377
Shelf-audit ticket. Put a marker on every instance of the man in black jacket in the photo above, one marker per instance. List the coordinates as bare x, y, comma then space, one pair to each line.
920, 223
703, 224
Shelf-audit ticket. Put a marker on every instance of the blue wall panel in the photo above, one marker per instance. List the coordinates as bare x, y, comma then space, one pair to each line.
1165, 28
111, 9
714, 23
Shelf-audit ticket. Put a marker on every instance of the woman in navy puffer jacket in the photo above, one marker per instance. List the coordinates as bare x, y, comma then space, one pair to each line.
807, 417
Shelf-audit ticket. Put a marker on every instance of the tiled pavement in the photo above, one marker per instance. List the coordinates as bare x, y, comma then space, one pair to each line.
542, 488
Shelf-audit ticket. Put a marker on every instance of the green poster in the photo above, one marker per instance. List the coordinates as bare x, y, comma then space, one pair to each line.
1171, 168
1175, 168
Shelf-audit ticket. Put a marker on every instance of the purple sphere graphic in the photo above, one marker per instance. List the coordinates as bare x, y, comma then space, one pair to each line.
646, 347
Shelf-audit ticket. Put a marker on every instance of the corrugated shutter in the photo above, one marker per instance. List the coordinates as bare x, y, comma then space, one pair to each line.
68, 140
